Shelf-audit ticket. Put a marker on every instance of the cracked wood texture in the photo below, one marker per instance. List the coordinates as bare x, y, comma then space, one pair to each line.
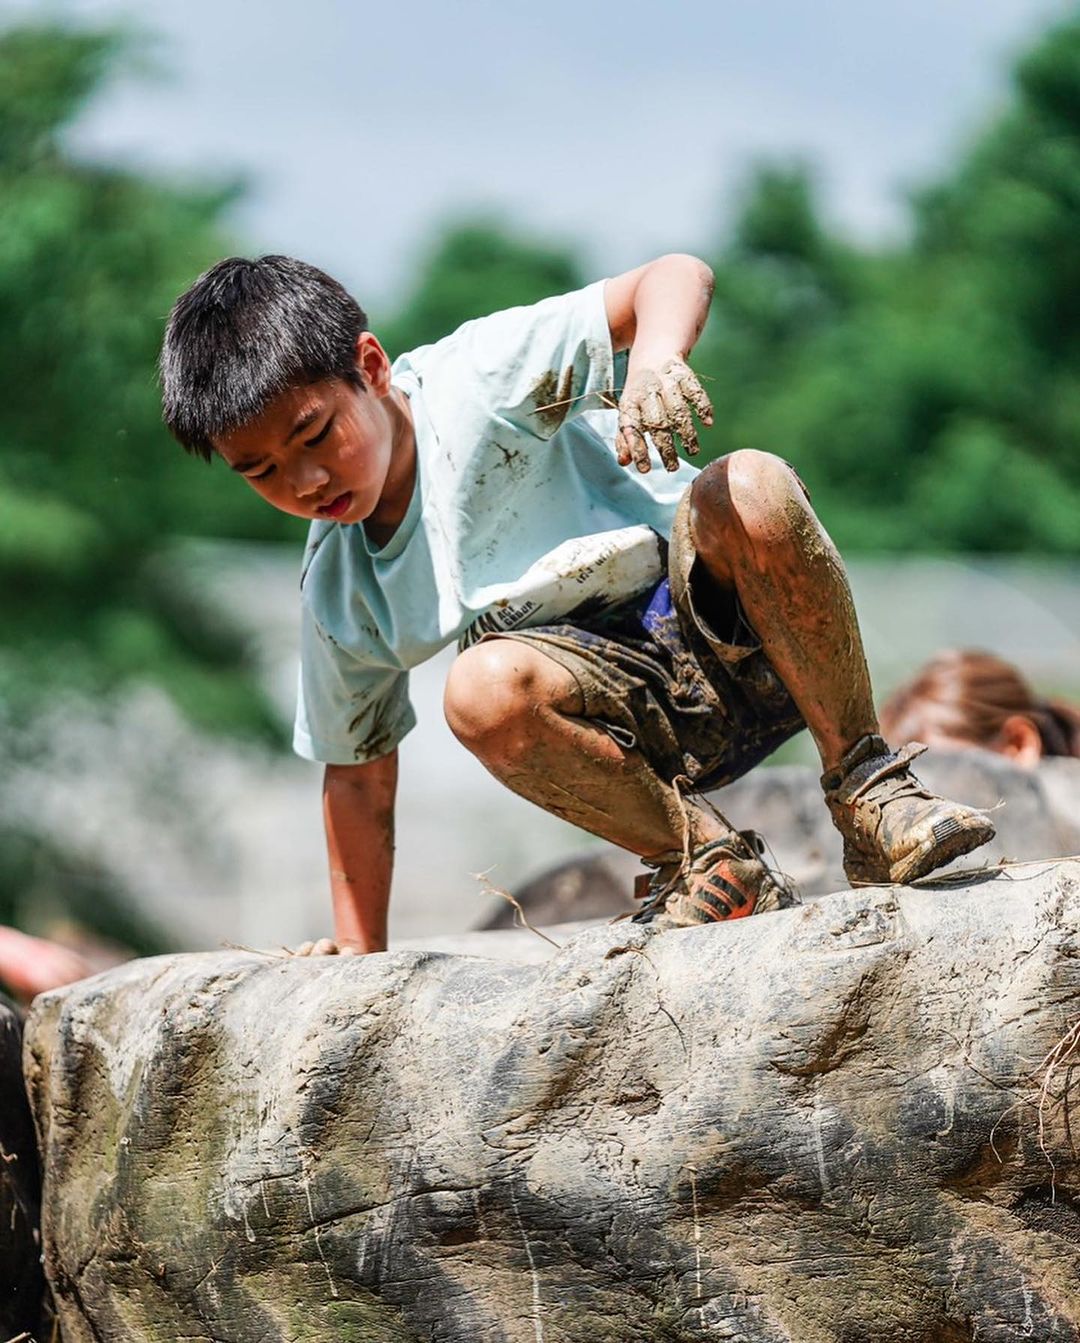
22, 1284
821, 1126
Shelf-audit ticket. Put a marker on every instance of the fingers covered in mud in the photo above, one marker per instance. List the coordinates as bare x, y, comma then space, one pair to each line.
630, 442
324, 946
693, 391
661, 405
682, 421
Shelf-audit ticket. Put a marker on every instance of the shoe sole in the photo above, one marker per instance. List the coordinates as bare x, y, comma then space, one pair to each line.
936, 852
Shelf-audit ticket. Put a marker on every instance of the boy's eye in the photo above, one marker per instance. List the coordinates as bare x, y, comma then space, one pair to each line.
269, 471
312, 442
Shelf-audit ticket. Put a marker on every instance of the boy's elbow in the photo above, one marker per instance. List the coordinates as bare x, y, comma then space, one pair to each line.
686, 261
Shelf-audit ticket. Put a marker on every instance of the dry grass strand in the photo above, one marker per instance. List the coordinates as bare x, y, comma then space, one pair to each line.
520, 917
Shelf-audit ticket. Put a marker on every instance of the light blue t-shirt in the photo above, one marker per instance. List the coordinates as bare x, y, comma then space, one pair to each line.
520, 515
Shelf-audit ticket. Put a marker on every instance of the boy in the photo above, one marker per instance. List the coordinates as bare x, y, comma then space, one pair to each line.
626, 635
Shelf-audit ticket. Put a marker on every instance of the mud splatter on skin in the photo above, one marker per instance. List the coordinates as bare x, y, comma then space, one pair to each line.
552, 397
548, 752
756, 532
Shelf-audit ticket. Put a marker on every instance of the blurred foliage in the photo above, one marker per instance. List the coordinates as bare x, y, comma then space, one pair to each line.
474, 267
929, 394
90, 260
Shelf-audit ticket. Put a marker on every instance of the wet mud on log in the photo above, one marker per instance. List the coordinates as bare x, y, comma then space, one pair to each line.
831, 1124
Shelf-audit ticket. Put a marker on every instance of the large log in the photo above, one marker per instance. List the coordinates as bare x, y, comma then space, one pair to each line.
839, 1123
22, 1284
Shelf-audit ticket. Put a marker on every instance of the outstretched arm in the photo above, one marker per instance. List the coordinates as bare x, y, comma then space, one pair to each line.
657, 312
358, 809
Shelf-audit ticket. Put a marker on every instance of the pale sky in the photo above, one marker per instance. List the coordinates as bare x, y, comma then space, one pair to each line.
625, 130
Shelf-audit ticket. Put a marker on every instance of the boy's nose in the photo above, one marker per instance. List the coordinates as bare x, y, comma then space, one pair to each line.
308, 478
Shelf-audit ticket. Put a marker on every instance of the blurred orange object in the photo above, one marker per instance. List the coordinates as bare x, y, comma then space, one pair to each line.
31, 965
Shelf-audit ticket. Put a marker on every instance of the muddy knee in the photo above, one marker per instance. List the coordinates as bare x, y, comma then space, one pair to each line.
494, 693
741, 501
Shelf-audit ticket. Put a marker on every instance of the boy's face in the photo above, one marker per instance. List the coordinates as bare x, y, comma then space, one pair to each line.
321, 451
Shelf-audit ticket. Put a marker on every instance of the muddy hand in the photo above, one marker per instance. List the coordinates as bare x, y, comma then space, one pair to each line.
660, 404
325, 946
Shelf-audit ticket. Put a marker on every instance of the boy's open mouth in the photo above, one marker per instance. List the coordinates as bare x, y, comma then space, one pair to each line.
336, 507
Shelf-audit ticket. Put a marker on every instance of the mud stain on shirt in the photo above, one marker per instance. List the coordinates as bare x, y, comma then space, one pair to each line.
553, 396
380, 739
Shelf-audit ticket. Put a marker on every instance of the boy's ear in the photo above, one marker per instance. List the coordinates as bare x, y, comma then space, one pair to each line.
372, 363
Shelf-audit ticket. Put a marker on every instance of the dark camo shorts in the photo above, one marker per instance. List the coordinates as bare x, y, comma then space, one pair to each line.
677, 673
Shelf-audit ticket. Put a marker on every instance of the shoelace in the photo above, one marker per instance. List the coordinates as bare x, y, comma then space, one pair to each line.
656, 895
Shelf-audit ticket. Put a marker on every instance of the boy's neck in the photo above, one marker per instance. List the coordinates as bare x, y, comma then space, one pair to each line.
388, 513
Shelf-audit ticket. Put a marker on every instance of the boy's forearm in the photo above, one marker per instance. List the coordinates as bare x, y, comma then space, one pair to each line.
358, 810
659, 311
671, 303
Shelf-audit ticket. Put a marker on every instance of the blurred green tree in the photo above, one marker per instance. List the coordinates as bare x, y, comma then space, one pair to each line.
90, 261
928, 393
473, 266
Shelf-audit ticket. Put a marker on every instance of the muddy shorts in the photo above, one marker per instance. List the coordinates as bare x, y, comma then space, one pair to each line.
677, 673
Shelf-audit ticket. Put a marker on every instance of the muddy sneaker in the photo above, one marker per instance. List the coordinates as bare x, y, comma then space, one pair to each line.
894, 828
726, 879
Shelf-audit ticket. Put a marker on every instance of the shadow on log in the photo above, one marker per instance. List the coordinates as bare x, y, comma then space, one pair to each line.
22, 1284
838, 1123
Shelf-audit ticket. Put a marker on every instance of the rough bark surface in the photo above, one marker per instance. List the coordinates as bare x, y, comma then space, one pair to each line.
22, 1284
1036, 812
821, 1125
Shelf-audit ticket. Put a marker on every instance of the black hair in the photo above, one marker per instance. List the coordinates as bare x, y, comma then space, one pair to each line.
243, 333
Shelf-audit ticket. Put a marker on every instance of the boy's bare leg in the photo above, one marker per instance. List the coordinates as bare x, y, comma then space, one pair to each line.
519, 712
755, 532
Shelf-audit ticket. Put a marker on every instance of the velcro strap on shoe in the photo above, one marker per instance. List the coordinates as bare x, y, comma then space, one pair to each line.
863, 777
662, 871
